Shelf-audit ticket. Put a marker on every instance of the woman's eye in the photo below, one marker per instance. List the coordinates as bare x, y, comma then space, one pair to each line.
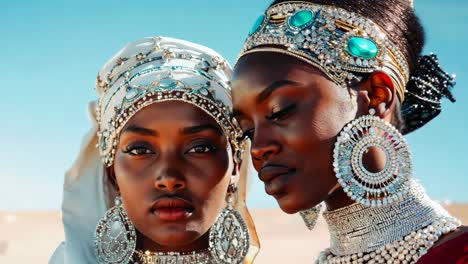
283, 113
138, 151
201, 149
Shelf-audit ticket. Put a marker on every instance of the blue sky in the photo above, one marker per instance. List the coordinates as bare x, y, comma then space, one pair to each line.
50, 53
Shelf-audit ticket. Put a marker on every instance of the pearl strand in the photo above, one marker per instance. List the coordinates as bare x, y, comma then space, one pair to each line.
406, 250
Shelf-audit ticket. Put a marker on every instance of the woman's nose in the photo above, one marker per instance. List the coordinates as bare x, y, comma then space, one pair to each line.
170, 182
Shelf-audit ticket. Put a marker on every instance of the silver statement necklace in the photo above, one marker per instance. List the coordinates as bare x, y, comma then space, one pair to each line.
196, 257
397, 233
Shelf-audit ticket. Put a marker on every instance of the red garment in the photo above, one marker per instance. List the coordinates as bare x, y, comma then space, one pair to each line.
454, 251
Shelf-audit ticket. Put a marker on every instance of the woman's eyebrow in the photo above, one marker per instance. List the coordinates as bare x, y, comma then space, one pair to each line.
140, 130
200, 128
272, 87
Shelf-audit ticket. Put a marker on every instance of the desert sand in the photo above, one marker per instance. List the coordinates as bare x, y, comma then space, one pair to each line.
31, 237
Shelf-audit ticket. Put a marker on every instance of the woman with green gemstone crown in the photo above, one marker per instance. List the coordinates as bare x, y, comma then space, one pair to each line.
159, 177
325, 91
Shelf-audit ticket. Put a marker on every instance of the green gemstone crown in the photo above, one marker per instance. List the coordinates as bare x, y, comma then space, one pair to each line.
301, 19
340, 43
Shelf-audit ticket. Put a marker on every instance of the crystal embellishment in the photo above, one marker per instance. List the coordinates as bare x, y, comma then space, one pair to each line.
132, 93
301, 19
167, 83
310, 216
258, 23
148, 257
362, 48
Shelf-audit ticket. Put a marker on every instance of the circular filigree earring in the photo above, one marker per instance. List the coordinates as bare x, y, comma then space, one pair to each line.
229, 236
115, 236
370, 133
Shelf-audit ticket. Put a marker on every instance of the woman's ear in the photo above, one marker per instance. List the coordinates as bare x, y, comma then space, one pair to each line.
378, 93
111, 177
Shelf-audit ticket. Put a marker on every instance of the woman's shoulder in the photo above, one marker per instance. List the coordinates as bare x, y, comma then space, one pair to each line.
452, 249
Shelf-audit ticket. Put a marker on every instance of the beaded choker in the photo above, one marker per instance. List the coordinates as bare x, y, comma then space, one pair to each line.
196, 257
404, 230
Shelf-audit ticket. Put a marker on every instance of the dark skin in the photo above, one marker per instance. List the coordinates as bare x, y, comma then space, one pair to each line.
173, 150
292, 112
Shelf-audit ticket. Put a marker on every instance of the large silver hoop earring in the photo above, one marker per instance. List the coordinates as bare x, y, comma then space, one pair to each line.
372, 188
229, 236
115, 236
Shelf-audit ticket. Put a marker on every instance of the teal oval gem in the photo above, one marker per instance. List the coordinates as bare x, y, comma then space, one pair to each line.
257, 25
167, 83
131, 93
301, 18
362, 48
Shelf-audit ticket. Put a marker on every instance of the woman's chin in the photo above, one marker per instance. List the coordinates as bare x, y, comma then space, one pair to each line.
291, 204
288, 204
175, 238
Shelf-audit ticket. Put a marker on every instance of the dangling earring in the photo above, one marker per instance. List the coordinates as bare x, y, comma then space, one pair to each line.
115, 236
311, 215
372, 188
229, 236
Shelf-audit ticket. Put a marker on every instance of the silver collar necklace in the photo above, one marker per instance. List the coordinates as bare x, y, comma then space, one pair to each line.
406, 229
196, 257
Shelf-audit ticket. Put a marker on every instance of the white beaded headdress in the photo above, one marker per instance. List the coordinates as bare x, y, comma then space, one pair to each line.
161, 69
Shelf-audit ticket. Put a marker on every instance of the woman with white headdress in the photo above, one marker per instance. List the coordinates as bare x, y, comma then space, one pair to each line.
164, 184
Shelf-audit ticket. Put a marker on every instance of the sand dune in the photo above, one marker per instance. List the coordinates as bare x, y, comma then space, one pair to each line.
31, 237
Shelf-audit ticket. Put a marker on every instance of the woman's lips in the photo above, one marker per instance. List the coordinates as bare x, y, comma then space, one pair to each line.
275, 178
172, 214
268, 172
172, 209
